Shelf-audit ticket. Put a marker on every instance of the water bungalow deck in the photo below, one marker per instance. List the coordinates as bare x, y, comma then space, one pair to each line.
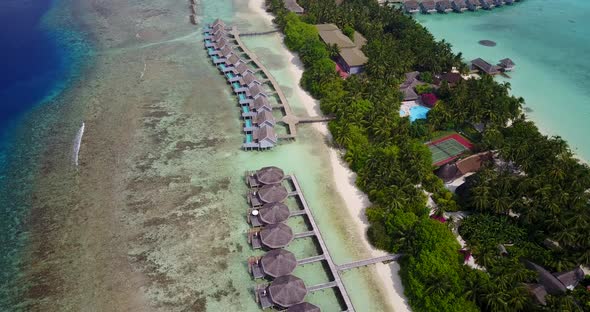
325, 253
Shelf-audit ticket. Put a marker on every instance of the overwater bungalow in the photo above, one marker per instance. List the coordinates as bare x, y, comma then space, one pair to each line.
459, 5
221, 44
428, 7
275, 263
261, 139
294, 7
487, 4
217, 22
216, 36
473, 5
265, 176
283, 292
255, 91
498, 2
411, 7
271, 193
249, 80
444, 6
303, 307
508, 2
241, 70
506, 64
272, 236
260, 104
264, 119
484, 67
271, 213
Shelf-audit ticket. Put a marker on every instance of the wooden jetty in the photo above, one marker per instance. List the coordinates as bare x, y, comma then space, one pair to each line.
458, 6
366, 262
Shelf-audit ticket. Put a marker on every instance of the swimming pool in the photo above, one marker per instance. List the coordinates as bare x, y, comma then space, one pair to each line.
248, 123
207, 41
245, 109
241, 96
236, 85
416, 112
249, 138
210, 50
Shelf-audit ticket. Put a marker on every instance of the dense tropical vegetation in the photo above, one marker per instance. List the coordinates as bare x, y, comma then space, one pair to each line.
539, 195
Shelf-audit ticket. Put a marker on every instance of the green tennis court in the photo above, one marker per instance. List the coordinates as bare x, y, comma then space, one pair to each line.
447, 149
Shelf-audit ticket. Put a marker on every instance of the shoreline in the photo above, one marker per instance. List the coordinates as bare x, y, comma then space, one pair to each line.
344, 179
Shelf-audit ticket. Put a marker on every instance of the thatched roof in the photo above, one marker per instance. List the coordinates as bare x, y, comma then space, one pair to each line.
450, 78
217, 22
443, 4
287, 291
264, 133
249, 78
460, 3
411, 5
484, 66
272, 193
331, 34
303, 307
473, 163
226, 51
233, 60
264, 116
242, 68
270, 175
428, 4
255, 90
276, 235
538, 292
273, 213
407, 87
260, 103
354, 57
278, 262
293, 6
506, 63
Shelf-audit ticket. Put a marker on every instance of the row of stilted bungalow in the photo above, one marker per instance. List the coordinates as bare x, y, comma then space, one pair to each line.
253, 99
459, 6
482, 66
267, 214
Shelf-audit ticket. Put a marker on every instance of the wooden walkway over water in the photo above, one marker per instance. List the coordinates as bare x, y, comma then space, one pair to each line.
335, 270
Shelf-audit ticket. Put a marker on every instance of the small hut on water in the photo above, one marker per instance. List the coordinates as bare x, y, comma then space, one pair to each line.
283, 292
275, 263
484, 67
459, 5
428, 6
266, 175
411, 7
272, 193
506, 64
272, 236
444, 6
271, 213
304, 307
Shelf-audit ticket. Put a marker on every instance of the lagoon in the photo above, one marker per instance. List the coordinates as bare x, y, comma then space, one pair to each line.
549, 42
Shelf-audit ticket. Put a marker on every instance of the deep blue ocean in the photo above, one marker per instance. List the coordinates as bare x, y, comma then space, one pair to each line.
35, 63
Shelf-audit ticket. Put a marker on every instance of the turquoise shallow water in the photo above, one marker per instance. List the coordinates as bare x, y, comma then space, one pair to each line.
549, 41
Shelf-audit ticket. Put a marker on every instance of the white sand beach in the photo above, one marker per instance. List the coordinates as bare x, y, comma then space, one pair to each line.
356, 201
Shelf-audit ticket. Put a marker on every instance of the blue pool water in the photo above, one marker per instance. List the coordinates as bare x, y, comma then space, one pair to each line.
416, 112
236, 85
249, 138
207, 41
230, 75
241, 96
248, 123
245, 109
215, 57
210, 50
222, 66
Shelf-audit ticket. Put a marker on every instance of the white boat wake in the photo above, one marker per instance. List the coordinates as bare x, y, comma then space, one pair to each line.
77, 143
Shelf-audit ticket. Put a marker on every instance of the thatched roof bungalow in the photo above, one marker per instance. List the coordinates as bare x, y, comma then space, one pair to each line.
278, 262
275, 236
459, 5
286, 291
484, 67
443, 6
265, 137
261, 103
266, 175
407, 88
294, 7
411, 7
264, 118
506, 64
428, 6
271, 213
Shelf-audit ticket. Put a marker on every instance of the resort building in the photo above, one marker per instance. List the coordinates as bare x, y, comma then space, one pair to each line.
275, 263
351, 59
498, 2
282, 293
271, 213
249, 80
265, 176
459, 5
428, 6
451, 78
484, 67
552, 284
271, 193
407, 88
411, 6
452, 171
506, 64
272, 236
294, 7
444, 6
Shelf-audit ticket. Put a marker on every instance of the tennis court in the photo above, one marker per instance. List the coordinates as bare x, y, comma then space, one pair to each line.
446, 149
